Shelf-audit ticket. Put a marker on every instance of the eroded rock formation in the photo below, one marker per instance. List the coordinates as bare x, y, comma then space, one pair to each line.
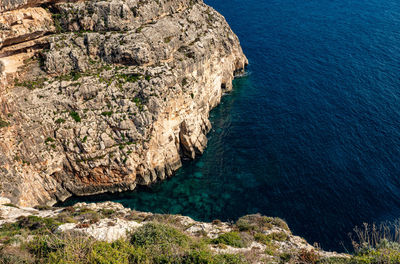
100, 96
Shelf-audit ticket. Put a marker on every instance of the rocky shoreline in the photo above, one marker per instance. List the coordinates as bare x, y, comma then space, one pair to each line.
102, 96
255, 238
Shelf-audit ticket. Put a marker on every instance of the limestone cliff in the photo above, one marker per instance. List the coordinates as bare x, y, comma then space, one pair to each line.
100, 96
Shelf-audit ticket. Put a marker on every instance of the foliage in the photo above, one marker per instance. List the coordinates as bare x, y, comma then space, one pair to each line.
266, 240
259, 223
107, 113
83, 250
3, 123
158, 234
278, 236
57, 22
60, 121
49, 139
75, 116
128, 77
152, 243
384, 252
184, 81
25, 226
231, 239
32, 239
31, 84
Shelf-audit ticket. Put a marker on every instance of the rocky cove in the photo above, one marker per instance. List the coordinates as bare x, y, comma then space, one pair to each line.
100, 96
108, 96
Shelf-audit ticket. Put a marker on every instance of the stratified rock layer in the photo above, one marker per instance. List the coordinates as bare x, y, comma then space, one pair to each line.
116, 98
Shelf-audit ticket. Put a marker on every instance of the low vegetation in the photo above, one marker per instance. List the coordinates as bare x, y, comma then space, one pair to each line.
163, 239
258, 223
32, 84
3, 123
33, 239
233, 239
75, 116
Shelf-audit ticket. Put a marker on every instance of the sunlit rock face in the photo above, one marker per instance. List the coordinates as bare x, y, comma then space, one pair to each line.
102, 96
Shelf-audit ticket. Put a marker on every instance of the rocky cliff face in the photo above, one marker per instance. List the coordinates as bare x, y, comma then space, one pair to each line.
100, 96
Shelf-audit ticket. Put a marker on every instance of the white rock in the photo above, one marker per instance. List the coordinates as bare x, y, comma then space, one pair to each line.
104, 230
4, 200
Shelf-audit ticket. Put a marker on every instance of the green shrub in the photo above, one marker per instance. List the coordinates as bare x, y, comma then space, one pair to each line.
231, 239
128, 77
49, 139
167, 39
42, 207
32, 84
118, 252
184, 81
229, 259
75, 116
38, 224
206, 257
75, 75
259, 223
91, 216
16, 257
262, 238
107, 113
278, 236
68, 249
158, 234
107, 212
3, 123
198, 256
57, 22
285, 257
65, 217
267, 241
60, 121
384, 252
42, 246
8, 231
377, 243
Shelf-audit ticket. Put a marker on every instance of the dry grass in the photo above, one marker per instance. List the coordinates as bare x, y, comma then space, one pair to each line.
371, 235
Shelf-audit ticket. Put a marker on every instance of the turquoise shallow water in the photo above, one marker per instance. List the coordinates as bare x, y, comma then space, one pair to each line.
312, 134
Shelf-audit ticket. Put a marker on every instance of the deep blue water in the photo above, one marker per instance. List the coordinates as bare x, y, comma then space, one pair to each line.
312, 134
